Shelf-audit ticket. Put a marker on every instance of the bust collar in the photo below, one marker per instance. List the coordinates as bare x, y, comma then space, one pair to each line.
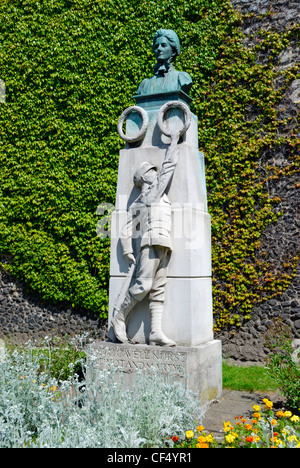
162, 69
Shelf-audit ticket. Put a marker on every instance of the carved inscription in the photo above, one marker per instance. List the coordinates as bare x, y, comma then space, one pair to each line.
132, 360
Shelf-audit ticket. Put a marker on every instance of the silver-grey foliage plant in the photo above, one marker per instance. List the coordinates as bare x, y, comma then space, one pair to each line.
37, 411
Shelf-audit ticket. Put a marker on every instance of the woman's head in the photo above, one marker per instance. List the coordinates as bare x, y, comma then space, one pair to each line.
166, 45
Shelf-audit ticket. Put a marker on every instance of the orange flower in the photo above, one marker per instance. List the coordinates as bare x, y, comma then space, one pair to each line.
248, 427
175, 438
249, 439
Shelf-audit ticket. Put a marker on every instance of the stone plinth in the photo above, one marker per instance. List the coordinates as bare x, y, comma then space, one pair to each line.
198, 368
187, 318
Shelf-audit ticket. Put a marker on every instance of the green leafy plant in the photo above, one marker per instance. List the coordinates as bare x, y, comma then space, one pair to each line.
281, 364
58, 357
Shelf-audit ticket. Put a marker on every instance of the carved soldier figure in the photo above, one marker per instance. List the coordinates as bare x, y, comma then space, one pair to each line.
149, 218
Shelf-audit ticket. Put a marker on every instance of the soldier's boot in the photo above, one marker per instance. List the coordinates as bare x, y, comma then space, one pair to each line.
157, 337
118, 321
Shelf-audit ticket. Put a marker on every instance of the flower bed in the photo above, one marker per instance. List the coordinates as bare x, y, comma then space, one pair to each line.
267, 429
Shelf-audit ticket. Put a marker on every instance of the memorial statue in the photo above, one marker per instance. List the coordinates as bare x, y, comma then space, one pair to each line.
160, 289
166, 48
149, 218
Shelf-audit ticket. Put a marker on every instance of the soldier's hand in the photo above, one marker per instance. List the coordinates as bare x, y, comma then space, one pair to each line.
130, 258
175, 135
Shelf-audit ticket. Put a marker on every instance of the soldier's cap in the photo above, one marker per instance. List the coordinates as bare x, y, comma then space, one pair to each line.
141, 170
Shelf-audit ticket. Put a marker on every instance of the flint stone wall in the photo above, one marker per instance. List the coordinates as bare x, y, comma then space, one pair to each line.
280, 240
23, 316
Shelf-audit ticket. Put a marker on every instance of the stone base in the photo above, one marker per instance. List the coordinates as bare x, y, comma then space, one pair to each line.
187, 317
198, 368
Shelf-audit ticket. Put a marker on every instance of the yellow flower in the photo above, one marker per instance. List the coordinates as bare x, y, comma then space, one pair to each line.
201, 439
287, 414
230, 438
189, 434
295, 418
256, 408
268, 403
227, 426
274, 422
292, 438
209, 438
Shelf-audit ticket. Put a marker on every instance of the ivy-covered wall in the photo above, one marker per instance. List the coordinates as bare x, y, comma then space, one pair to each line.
278, 164
71, 67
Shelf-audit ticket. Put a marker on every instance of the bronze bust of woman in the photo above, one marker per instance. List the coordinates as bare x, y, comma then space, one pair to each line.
166, 48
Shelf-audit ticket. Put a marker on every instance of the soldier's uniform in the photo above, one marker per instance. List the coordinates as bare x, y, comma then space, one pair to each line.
149, 219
